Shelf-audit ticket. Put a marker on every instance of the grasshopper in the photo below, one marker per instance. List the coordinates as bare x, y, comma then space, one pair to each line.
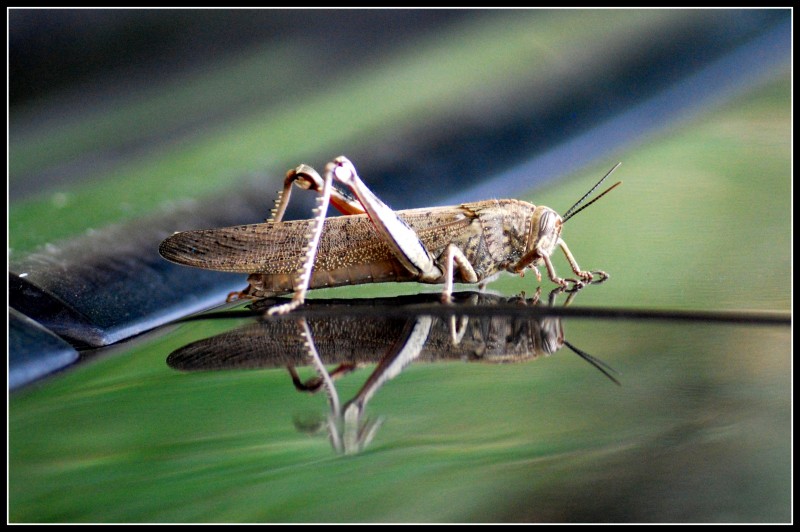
468, 243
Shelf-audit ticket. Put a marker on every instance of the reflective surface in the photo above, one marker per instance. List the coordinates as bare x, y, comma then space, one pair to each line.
342, 337
699, 429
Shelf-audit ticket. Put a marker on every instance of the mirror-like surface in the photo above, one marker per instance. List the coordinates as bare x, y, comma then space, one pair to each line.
698, 430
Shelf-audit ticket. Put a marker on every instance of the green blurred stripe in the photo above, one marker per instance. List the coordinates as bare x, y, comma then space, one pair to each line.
126, 439
423, 82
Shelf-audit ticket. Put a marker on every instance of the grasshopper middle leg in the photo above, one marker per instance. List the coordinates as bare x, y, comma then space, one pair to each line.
453, 256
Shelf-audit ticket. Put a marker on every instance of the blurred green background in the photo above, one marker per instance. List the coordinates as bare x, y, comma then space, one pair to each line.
699, 431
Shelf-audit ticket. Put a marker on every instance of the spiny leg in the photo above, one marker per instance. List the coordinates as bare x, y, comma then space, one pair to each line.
307, 178
392, 364
357, 433
314, 384
304, 177
585, 275
551, 272
327, 383
316, 361
315, 231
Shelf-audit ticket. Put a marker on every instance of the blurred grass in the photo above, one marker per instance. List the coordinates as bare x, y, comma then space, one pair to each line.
422, 84
702, 219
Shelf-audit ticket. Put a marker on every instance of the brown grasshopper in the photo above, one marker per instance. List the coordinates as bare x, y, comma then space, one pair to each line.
468, 243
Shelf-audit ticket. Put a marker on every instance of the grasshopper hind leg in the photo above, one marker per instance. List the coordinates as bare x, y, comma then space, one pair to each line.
304, 177
402, 241
314, 233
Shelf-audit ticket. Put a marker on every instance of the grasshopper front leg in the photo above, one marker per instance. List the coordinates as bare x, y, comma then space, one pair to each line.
587, 276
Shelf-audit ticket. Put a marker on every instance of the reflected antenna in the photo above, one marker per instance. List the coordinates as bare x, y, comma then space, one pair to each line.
604, 368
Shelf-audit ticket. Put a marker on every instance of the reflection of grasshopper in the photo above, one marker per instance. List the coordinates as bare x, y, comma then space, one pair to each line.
352, 341
468, 243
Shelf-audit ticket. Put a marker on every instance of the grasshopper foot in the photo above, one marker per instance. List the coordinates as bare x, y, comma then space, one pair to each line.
577, 285
564, 284
239, 296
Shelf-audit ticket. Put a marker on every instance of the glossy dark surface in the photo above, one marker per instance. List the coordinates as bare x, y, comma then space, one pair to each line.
507, 426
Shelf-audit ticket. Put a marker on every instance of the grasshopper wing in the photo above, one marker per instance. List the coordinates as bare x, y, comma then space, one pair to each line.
278, 247
242, 248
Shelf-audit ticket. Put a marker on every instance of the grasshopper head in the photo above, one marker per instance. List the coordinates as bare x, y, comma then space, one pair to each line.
545, 233
515, 340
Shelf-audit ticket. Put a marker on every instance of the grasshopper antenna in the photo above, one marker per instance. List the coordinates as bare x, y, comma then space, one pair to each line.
604, 368
572, 212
